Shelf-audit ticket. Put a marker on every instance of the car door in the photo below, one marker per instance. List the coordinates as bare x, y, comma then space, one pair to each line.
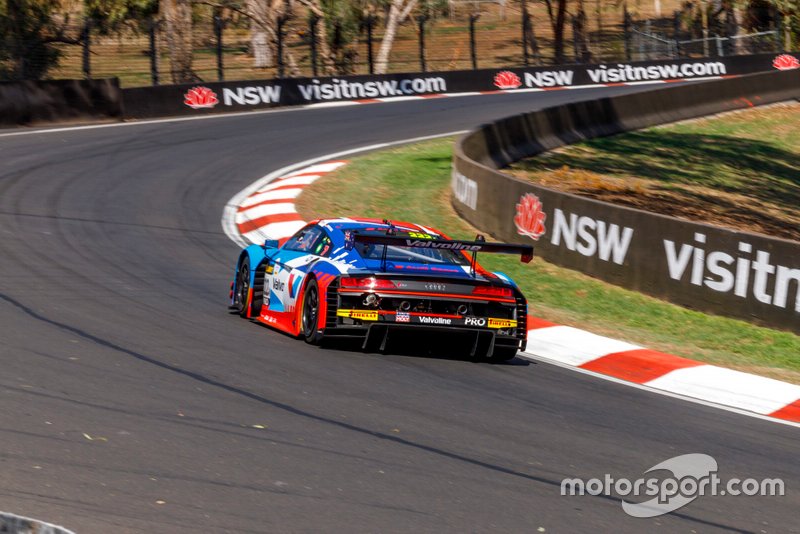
291, 266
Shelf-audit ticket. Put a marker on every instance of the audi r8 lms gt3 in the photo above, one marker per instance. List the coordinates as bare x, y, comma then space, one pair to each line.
374, 280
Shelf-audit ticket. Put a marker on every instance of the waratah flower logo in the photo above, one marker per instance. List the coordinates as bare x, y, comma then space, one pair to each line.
786, 62
507, 80
530, 218
200, 97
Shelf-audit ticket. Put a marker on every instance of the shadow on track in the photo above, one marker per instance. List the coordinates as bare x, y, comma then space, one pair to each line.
554, 483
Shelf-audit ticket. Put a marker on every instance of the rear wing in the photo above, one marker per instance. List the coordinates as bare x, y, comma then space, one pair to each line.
525, 251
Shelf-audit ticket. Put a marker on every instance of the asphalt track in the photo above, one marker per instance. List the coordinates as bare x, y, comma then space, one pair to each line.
131, 401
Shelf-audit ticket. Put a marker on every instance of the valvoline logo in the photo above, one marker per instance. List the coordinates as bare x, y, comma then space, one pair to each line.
530, 217
507, 80
200, 97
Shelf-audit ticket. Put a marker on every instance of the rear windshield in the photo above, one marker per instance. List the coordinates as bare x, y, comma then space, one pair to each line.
396, 253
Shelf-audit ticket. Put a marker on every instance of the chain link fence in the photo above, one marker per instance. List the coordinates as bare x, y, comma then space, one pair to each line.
468, 35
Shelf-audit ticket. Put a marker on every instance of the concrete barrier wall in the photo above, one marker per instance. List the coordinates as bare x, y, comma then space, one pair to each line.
33, 102
738, 274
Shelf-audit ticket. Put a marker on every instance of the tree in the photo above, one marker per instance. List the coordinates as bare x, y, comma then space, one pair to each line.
558, 17
399, 10
112, 15
28, 31
177, 17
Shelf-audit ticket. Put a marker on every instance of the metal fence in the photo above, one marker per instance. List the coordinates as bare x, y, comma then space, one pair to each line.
469, 36
649, 45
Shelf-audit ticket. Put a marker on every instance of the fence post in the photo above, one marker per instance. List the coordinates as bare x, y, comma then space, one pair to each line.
676, 26
421, 21
152, 28
281, 21
218, 26
472, 18
626, 30
720, 51
370, 58
86, 38
312, 27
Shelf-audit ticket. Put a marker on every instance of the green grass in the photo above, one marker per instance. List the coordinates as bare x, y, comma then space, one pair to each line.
412, 183
740, 170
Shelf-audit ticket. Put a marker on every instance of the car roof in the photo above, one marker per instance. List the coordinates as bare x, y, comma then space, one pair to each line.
362, 223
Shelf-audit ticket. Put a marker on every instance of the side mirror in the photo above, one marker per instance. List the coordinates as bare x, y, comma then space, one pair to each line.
271, 243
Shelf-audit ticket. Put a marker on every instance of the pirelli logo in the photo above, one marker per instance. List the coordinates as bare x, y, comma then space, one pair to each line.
501, 323
361, 315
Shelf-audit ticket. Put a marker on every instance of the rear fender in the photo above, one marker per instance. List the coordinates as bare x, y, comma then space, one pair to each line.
256, 254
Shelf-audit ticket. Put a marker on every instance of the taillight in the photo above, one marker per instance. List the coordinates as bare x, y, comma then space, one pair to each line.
370, 283
492, 291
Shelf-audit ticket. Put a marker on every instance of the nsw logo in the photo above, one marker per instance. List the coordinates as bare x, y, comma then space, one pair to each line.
530, 217
507, 80
200, 97
786, 62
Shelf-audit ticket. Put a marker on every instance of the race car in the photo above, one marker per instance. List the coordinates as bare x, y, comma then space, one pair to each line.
376, 279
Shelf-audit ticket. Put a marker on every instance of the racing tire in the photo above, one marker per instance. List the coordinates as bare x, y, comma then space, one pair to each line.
309, 315
503, 354
242, 287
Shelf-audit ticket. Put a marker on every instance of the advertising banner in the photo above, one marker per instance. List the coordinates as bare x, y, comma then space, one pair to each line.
236, 96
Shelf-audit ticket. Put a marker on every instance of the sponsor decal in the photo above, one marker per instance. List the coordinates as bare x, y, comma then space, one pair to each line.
449, 246
591, 237
277, 285
622, 73
402, 317
507, 80
418, 235
530, 217
252, 95
502, 323
269, 269
474, 321
435, 287
549, 78
722, 272
200, 98
464, 189
435, 320
338, 89
786, 62
361, 315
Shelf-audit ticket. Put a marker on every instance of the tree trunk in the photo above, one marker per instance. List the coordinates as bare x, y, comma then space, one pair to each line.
398, 12
263, 56
558, 30
177, 15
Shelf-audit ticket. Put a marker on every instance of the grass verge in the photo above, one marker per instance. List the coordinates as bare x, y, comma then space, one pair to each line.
412, 183
740, 170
